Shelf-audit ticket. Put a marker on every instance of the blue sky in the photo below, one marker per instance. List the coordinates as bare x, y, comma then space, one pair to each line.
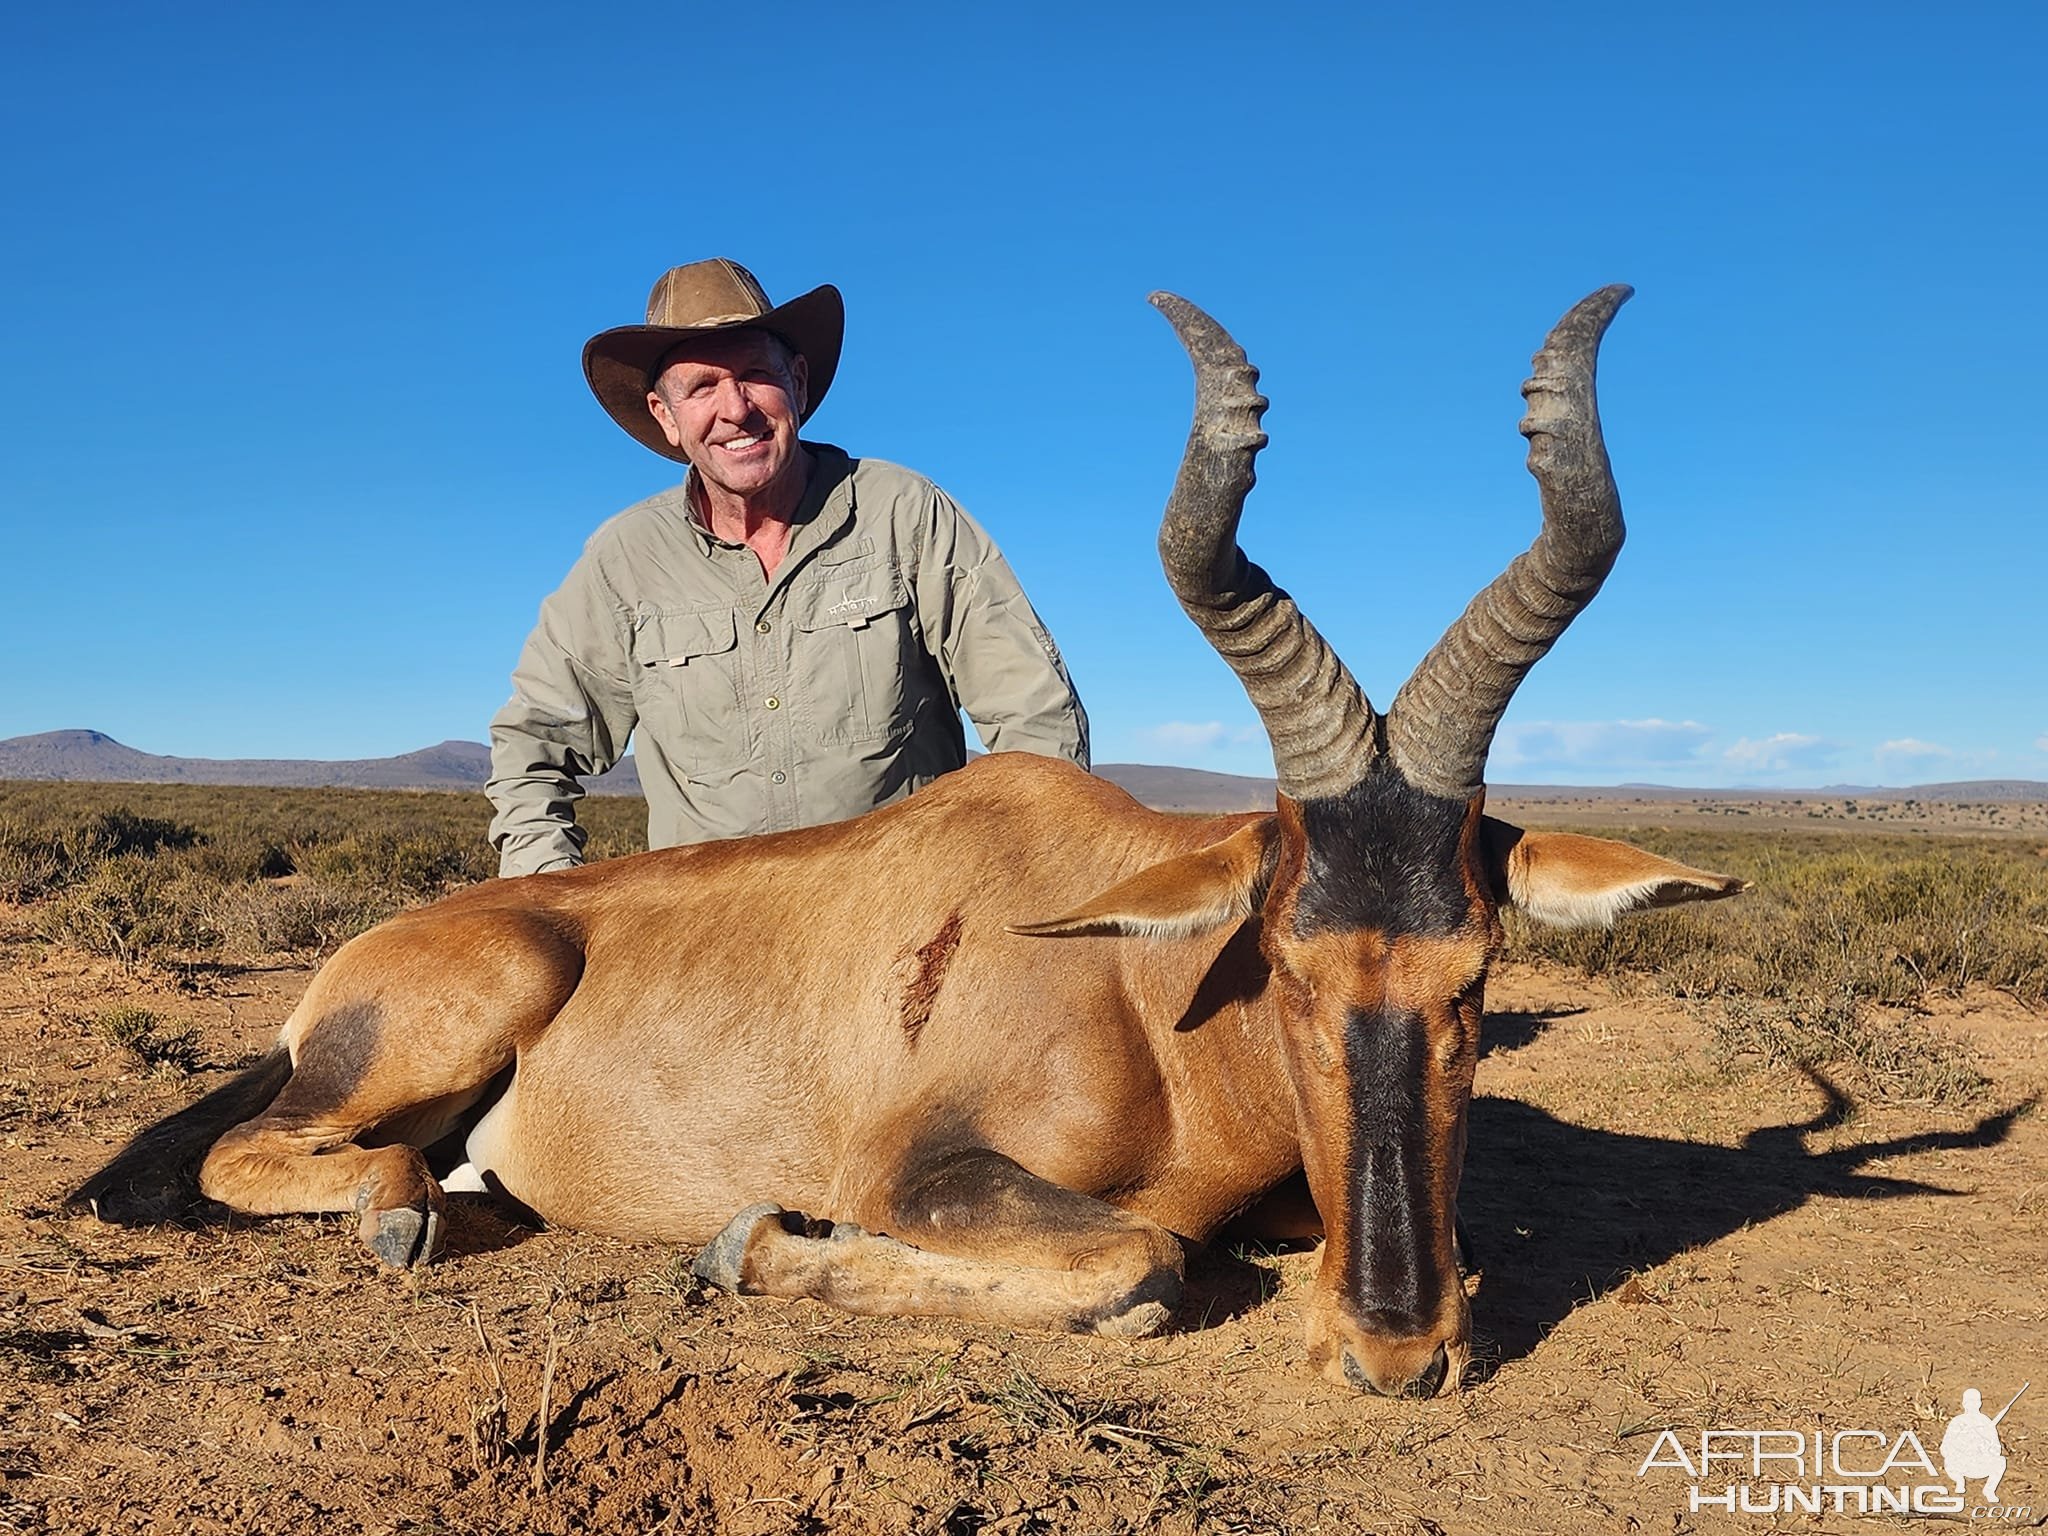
296, 440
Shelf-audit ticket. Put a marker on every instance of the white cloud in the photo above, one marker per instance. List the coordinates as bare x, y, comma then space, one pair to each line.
1602, 744
1780, 753
1908, 754
2041, 742
1197, 736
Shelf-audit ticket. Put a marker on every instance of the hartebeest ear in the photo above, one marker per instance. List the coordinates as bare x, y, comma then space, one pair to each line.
1578, 882
1222, 883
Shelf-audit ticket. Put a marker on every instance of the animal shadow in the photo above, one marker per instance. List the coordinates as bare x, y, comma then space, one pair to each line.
479, 1224
1562, 1213
1511, 1031
1227, 1280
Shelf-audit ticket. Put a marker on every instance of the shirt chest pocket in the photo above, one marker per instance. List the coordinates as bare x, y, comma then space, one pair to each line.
688, 689
858, 662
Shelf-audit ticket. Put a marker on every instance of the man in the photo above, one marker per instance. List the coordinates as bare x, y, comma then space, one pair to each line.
1970, 1447
790, 635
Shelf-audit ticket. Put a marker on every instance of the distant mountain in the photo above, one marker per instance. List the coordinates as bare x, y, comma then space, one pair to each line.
1972, 789
1189, 789
94, 757
1970, 792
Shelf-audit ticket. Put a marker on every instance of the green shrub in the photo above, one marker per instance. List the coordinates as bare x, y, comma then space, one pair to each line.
30, 865
142, 1035
402, 862
118, 909
35, 860
1884, 918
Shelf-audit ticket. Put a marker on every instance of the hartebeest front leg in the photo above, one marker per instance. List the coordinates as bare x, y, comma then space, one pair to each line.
969, 1235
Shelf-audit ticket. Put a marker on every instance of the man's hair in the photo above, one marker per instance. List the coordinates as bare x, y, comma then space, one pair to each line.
783, 349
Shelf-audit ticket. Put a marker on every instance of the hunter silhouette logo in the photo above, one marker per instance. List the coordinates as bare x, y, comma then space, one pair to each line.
1970, 1447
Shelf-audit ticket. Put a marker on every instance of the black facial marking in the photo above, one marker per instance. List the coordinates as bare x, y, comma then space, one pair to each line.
1393, 1259
1383, 855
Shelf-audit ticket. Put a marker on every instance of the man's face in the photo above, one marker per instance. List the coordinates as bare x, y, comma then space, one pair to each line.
731, 404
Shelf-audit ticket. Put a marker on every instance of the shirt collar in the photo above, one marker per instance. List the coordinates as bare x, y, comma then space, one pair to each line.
826, 508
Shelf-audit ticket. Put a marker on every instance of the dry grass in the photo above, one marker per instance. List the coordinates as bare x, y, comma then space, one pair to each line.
175, 873
1827, 958
1896, 1054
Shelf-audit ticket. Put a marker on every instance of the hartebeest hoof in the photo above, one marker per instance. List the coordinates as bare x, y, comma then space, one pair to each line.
1143, 1312
725, 1255
401, 1237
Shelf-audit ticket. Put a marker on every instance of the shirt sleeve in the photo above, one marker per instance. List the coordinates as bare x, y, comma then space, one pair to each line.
570, 716
999, 659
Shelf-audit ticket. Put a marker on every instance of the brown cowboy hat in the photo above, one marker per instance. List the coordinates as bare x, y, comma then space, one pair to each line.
701, 299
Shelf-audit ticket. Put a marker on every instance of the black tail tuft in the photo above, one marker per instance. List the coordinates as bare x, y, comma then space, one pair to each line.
155, 1178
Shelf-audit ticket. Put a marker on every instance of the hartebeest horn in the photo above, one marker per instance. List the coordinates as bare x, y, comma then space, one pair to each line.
1443, 719
1319, 720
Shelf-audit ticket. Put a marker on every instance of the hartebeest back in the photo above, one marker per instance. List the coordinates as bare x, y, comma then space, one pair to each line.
1009, 1043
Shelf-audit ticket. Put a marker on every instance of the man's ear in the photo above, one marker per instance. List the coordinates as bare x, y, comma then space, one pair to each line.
1222, 883
800, 374
1576, 882
657, 407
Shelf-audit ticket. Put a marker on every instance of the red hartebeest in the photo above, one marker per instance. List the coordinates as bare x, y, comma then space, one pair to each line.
1012, 1041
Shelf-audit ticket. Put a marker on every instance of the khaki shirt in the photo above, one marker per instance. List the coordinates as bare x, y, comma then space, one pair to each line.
757, 705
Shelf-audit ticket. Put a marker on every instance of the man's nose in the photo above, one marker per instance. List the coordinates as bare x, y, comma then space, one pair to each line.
733, 401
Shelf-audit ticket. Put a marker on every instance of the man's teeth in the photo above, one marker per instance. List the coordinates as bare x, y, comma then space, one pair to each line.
739, 442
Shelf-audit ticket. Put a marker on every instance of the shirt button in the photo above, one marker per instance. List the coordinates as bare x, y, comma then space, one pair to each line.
778, 777
762, 626
773, 702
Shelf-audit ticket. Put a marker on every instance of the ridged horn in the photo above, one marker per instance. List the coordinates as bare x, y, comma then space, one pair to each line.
1442, 721
1318, 719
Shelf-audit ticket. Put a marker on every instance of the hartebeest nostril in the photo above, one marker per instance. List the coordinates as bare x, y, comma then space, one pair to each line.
1431, 1381
1428, 1384
1355, 1374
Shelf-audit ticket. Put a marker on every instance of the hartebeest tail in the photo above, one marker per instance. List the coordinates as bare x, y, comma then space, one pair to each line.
155, 1178
996, 1051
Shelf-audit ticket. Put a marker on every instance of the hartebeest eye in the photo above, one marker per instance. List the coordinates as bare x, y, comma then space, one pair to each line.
1462, 1025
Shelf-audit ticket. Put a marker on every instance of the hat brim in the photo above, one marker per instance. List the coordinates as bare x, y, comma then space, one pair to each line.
619, 362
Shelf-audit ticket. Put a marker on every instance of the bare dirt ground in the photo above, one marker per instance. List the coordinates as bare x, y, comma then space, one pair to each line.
1665, 1245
